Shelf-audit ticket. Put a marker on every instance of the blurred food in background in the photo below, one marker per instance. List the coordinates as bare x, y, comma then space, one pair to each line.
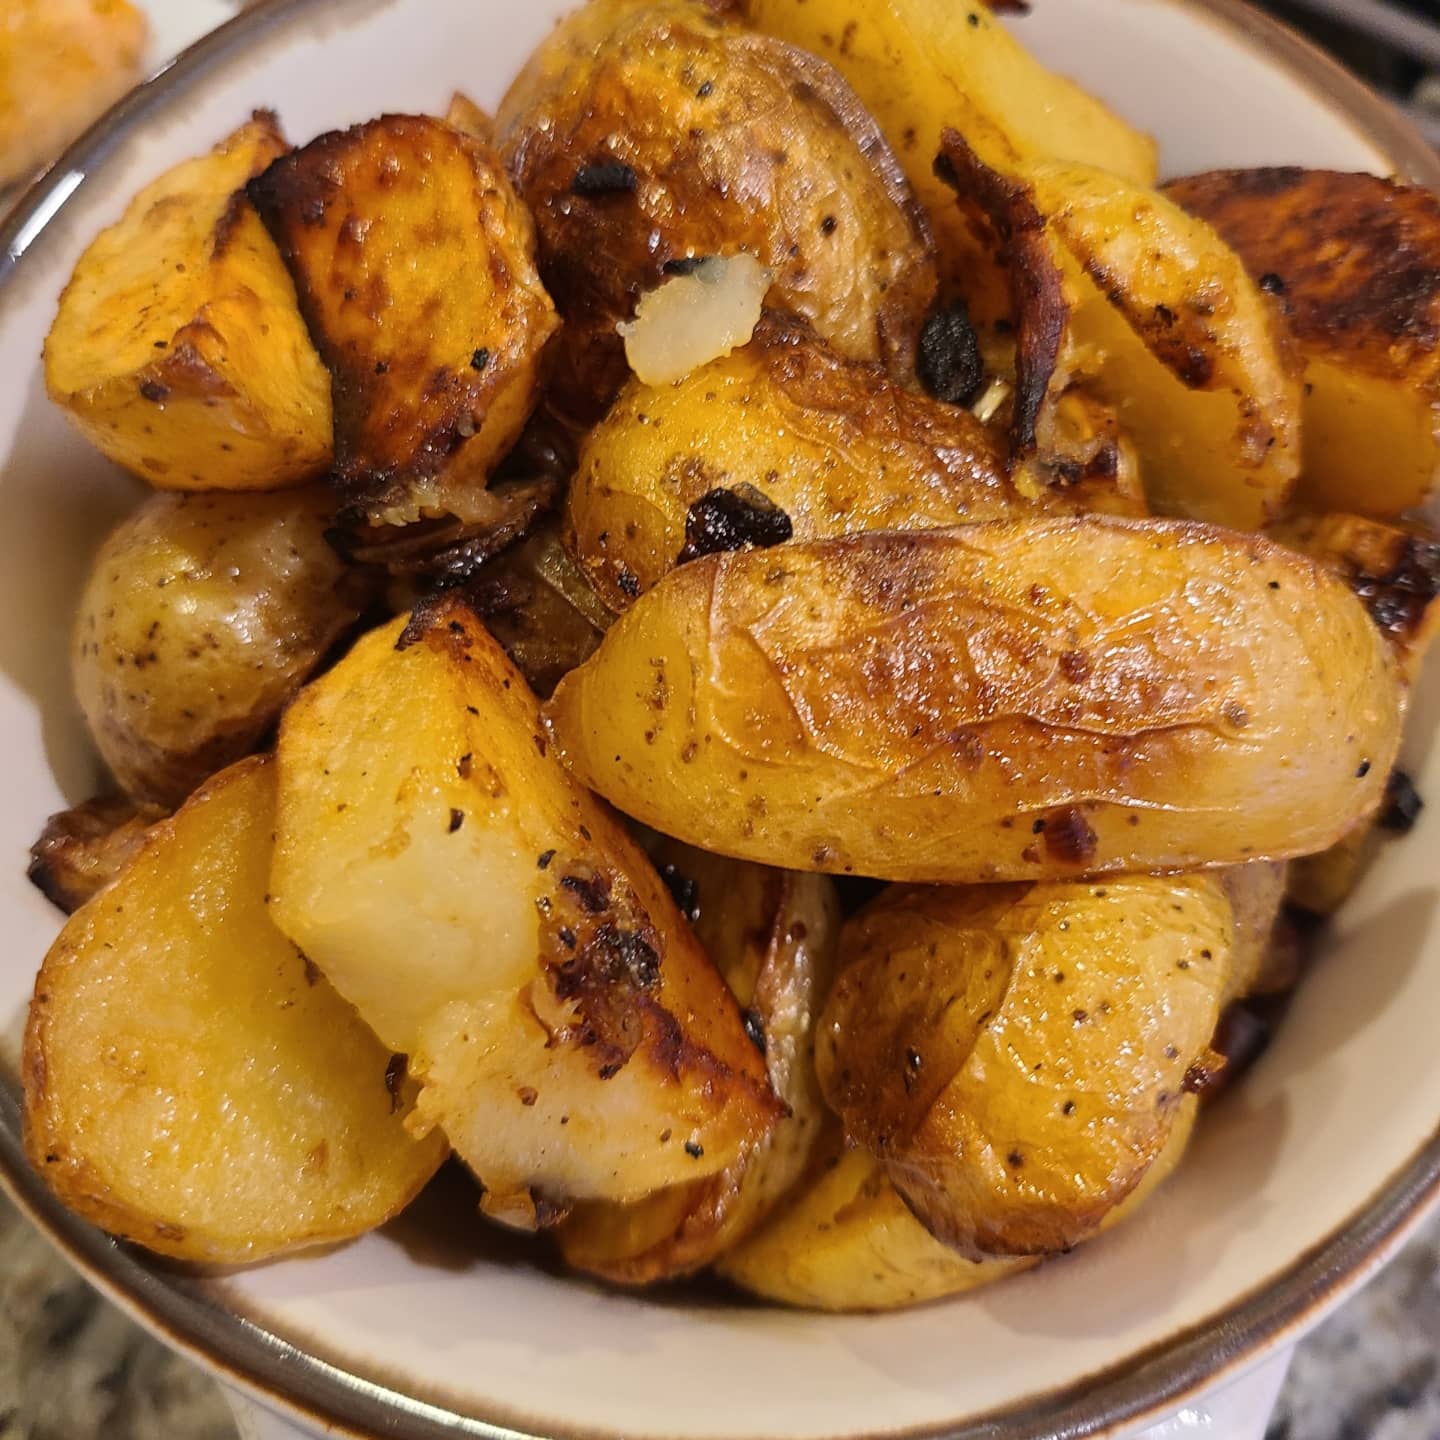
62, 63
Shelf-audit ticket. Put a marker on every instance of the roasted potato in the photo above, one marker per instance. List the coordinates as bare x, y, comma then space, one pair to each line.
1157, 316
845, 1240
492, 921
772, 934
178, 349
646, 137
62, 62
191, 1082
1025, 699
1015, 1055
202, 616
414, 264
83, 851
922, 65
784, 439
1352, 260
1256, 893
1394, 572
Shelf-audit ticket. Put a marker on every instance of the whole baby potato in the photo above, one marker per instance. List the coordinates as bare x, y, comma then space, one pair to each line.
646, 137
1016, 1056
1018, 700
202, 616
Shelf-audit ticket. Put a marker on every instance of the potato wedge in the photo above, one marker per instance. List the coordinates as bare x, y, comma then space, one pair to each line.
1395, 573
784, 439
437, 365
1016, 1055
772, 935
1020, 700
62, 64
202, 616
191, 1083
1352, 260
83, 851
1162, 321
178, 349
847, 1241
1256, 893
645, 137
922, 65
492, 921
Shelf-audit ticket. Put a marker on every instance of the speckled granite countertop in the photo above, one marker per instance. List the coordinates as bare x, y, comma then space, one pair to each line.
74, 1368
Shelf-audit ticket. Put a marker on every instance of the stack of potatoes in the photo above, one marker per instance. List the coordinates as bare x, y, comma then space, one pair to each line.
751, 646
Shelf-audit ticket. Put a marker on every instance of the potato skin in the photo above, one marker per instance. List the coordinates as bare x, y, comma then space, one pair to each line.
1256, 893
1021, 700
190, 1083
202, 616
414, 265
178, 349
569, 1034
772, 934
834, 443
644, 136
84, 850
1353, 261
1016, 1055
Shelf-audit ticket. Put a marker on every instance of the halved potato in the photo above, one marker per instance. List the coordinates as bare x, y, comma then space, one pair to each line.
1256, 893
414, 264
1016, 1055
1159, 318
772, 934
492, 920
646, 137
1020, 700
202, 616
178, 349
846, 1240
787, 439
191, 1082
82, 851
922, 65
1352, 260
62, 63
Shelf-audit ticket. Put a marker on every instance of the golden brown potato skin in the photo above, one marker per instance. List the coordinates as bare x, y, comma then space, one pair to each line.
190, 1082
642, 136
1016, 1055
833, 443
178, 349
772, 934
202, 616
414, 264
570, 1036
1353, 261
82, 851
1027, 699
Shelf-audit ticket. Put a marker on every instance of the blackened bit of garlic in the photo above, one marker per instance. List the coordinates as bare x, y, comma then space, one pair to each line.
604, 177
733, 519
694, 1149
684, 890
949, 363
754, 1029
1402, 804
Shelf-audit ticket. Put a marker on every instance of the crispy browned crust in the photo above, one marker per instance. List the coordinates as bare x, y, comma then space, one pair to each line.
433, 367
679, 136
81, 851
1036, 284
1354, 260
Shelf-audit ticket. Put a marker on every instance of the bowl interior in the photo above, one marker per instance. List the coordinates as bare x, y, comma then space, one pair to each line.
1343, 1102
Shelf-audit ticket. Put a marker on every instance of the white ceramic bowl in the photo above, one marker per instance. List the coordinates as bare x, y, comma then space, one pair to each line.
1298, 1185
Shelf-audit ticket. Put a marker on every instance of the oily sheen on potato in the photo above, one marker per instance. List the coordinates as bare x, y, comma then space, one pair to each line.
178, 349
772, 934
492, 921
191, 1083
1018, 700
1016, 1055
